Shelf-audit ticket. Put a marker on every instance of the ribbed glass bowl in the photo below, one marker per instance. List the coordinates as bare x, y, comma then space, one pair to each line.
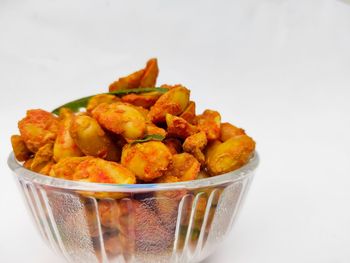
176, 222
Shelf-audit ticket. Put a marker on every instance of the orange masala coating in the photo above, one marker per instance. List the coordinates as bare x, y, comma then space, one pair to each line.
210, 122
147, 160
121, 118
101, 171
174, 102
143, 136
38, 128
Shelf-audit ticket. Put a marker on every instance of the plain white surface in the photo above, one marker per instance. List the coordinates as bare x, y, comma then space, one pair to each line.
278, 68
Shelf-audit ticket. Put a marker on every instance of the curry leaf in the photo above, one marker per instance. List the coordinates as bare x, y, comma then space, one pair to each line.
76, 105
150, 137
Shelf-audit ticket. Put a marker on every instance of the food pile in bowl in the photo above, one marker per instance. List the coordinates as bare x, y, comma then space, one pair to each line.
136, 133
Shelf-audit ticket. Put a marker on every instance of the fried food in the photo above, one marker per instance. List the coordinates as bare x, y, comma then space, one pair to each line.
38, 128
195, 144
66, 167
145, 100
64, 145
147, 160
20, 149
92, 139
101, 98
144, 78
173, 144
209, 122
97, 170
183, 166
228, 131
129, 136
189, 113
121, 118
43, 159
111, 141
179, 127
173, 102
229, 155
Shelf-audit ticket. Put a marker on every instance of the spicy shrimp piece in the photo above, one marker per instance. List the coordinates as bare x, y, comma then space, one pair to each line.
229, 155
174, 145
97, 170
190, 112
145, 100
20, 149
149, 78
131, 81
147, 160
195, 144
43, 159
101, 98
38, 128
66, 167
210, 122
64, 145
228, 131
92, 140
173, 102
121, 118
179, 127
183, 166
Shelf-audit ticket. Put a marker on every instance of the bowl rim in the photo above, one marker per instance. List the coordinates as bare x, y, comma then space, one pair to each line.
237, 175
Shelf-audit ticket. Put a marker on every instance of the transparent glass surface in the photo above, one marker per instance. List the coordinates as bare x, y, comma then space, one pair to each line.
175, 222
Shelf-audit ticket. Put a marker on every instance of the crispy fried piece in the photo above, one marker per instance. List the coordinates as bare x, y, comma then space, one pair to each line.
210, 122
190, 112
43, 159
121, 118
66, 167
28, 164
64, 145
64, 112
154, 129
195, 144
131, 81
97, 170
147, 160
101, 98
92, 140
109, 213
228, 131
179, 127
173, 102
229, 155
145, 100
149, 78
167, 179
184, 166
173, 144
38, 128
20, 149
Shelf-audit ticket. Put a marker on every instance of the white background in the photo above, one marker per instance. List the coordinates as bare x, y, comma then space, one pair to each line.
278, 68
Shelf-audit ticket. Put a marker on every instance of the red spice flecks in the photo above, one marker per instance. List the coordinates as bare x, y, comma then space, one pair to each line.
103, 178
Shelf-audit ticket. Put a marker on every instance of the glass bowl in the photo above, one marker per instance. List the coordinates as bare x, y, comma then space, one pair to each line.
173, 222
